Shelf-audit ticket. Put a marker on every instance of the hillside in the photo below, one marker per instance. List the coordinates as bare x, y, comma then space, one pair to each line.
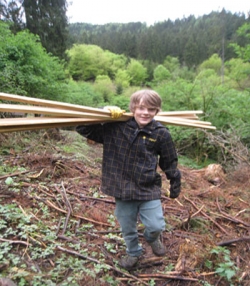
57, 228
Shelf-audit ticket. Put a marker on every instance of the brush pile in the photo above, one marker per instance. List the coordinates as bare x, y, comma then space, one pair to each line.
60, 114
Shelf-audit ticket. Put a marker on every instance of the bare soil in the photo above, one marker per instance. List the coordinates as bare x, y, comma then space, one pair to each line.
208, 213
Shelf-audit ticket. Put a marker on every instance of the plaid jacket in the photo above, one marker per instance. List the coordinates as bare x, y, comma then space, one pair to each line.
130, 158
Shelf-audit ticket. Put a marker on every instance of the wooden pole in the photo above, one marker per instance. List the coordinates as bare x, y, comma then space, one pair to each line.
61, 114
69, 106
53, 111
51, 103
20, 124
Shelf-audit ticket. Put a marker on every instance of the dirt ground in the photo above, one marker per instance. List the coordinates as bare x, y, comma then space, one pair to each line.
212, 210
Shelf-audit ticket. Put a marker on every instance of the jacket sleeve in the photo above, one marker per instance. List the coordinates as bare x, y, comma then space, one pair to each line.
168, 162
93, 132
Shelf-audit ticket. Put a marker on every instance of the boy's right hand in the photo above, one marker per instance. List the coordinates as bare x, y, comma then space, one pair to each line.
115, 111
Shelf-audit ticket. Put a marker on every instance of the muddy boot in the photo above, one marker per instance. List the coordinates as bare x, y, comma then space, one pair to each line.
128, 262
158, 247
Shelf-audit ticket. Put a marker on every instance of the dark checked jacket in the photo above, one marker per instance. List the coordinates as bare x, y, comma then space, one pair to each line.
130, 158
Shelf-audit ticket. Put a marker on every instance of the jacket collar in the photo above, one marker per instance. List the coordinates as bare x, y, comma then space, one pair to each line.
148, 128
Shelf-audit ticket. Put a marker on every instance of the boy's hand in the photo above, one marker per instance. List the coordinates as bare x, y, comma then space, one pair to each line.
175, 186
175, 190
115, 111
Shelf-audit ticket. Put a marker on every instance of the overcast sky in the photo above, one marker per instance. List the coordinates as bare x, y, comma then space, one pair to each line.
148, 11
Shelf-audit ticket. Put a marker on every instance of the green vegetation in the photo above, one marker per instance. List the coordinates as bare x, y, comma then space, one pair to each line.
223, 265
15, 223
26, 68
45, 18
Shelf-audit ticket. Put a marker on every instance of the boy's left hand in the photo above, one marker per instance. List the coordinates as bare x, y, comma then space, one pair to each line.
175, 186
175, 190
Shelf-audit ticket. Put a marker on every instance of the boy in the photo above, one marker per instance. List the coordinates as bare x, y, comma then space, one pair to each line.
131, 151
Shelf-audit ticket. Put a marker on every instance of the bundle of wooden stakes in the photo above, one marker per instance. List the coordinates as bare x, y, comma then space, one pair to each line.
60, 114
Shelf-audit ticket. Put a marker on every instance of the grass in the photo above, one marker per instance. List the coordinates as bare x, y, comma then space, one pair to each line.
191, 163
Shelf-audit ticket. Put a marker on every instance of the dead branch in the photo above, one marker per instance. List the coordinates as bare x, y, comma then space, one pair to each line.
206, 274
58, 190
91, 198
204, 214
15, 241
97, 199
68, 205
66, 198
186, 221
166, 276
46, 193
66, 222
228, 242
230, 144
68, 238
228, 217
240, 212
93, 221
233, 219
13, 174
58, 226
50, 204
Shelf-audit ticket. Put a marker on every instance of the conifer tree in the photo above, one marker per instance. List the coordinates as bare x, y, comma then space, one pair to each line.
47, 18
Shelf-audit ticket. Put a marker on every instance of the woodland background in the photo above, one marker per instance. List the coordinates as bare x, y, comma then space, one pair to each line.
194, 63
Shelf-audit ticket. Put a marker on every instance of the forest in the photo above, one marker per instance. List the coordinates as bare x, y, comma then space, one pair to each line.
192, 40
194, 64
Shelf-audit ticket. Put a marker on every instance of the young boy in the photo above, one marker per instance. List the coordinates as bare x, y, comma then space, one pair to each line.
131, 152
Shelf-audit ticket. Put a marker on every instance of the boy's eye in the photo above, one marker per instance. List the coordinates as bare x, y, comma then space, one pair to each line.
143, 108
151, 109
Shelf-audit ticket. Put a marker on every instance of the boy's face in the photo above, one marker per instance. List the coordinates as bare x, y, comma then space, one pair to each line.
144, 114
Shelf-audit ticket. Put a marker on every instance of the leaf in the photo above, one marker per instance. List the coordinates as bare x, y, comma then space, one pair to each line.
9, 181
229, 274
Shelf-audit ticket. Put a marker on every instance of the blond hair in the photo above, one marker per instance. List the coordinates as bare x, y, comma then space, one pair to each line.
148, 97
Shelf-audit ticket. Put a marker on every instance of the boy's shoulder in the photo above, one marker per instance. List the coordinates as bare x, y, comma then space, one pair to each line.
158, 126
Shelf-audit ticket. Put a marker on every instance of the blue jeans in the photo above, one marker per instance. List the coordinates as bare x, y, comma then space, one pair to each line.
151, 216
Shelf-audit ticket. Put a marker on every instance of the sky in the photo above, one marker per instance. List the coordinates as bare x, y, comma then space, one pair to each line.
147, 11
